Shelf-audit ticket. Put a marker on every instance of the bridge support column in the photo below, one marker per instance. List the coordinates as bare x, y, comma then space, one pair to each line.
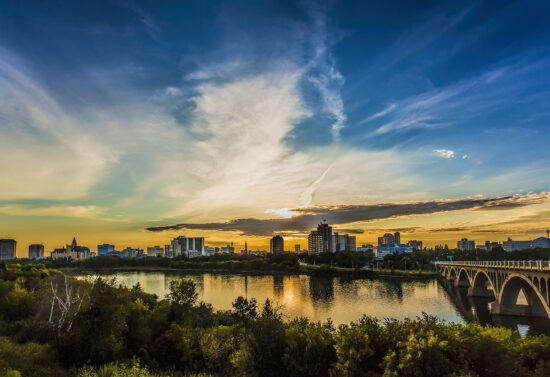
515, 310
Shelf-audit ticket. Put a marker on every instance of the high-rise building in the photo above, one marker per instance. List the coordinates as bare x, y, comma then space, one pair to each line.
36, 251
343, 242
465, 245
315, 242
397, 238
386, 239
277, 245
415, 244
326, 232
8, 249
105, 249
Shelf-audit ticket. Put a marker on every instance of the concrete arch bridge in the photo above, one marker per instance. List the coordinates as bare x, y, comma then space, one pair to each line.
520, 288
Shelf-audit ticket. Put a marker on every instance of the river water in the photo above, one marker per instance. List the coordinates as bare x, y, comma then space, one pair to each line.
341, 299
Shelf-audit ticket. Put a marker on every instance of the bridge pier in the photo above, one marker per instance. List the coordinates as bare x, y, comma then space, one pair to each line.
479, 292
515, 310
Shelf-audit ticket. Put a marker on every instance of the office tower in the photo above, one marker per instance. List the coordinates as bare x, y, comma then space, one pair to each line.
277, 245
36, 251
7, 249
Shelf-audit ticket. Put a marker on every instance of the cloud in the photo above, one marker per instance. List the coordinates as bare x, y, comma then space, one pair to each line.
45, 152
322, 71
309, 217
445, 153
469, 97
173, 91
380, 114
57, 210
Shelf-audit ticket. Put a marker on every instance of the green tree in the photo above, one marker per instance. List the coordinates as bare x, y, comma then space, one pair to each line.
183, 292
310, 349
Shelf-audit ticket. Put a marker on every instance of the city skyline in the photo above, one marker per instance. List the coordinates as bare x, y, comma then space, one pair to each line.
131, 125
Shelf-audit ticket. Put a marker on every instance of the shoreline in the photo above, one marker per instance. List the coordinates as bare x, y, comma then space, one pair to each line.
340, 272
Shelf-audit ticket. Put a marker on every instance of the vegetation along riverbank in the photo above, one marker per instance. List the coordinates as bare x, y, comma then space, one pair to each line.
53, 325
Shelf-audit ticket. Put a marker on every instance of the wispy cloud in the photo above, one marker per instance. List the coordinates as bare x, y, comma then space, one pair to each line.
380, 114
57, 210
467, 98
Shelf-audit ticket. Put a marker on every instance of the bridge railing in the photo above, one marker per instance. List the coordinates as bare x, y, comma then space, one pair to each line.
539, 265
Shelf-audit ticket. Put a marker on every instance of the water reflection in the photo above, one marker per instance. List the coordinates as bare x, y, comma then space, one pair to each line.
341, 299
476, 309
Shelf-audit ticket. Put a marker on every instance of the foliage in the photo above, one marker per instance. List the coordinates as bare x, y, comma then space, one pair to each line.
122, 331
183, 292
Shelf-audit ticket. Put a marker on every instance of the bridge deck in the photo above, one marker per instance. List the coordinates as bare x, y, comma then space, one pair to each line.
532, 265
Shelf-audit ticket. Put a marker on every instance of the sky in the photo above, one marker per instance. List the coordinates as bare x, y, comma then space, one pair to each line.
131, 122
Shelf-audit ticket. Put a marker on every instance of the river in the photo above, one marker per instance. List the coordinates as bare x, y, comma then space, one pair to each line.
341, 299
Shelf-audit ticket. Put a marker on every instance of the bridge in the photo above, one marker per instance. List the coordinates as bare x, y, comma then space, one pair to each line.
519, 288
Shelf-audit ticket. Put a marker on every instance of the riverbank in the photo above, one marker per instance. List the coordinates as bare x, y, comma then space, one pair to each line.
304, 270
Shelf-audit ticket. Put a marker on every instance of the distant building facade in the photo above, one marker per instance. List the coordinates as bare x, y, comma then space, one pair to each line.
36, 251
321, 240
466, 245
325, 231
72, 251
296, 248
343, 242
277, 245
129, 252
491, 245
315, 242
511, 245
189, 246
155, 251
8, 249
105, 249
415, 244
388, 239
365, 247
383, 250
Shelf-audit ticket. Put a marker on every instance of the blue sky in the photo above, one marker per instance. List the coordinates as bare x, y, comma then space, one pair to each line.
117, 116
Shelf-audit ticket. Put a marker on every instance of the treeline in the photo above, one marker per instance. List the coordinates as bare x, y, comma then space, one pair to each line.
52, 325
228, 262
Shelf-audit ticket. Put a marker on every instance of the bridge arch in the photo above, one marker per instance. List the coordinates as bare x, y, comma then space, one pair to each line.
511, 288
452, 274
462, 280
482, 285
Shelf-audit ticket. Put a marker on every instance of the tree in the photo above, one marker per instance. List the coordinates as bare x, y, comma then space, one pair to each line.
183, 292
244, 309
